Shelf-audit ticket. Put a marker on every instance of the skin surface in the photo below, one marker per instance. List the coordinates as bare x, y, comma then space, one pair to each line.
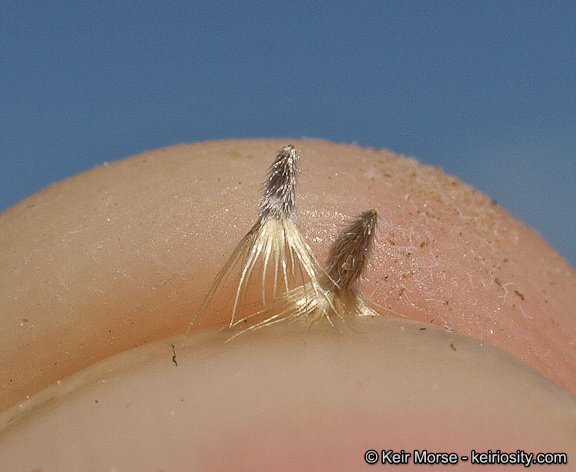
122, 256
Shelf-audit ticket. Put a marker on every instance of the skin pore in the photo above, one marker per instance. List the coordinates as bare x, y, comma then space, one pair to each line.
122, 256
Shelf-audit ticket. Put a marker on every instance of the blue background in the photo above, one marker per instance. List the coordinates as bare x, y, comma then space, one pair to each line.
484, 89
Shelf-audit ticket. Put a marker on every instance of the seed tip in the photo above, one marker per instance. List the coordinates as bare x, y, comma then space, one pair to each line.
349, 253
279, 195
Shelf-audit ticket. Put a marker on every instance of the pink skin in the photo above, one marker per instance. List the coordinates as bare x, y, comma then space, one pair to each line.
122, 255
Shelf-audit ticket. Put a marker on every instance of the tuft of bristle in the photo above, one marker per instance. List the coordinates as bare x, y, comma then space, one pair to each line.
336, 292
274, 244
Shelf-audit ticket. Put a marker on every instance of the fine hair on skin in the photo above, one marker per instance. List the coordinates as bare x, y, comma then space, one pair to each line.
274, 245
338, 294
